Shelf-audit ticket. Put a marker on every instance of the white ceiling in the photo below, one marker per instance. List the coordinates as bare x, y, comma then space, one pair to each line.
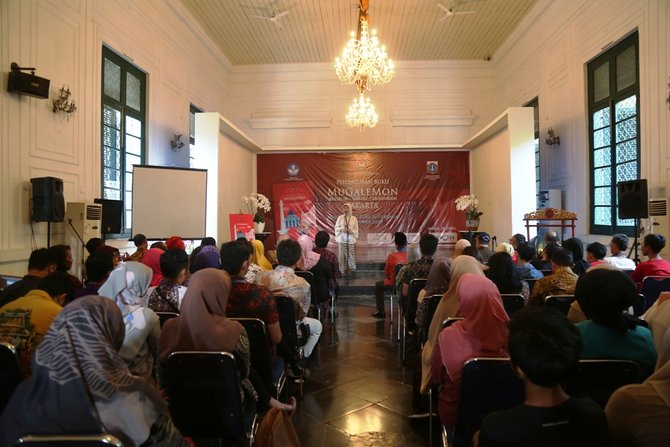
317, 30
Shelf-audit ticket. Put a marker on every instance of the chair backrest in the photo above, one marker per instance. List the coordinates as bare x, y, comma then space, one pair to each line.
101, 440
531, 283
259, 347
487, 385
652, 286
203, 391
415, 286
512, 302
286, 311
165, 316
560, 302
449, 321
431, 307
599, 378
547, 272
395, 274
10, 373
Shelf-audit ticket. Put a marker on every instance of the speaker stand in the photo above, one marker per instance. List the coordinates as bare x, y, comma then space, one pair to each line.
636, 259
48, 234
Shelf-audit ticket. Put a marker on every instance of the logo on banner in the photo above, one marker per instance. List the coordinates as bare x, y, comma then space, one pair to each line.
293, 169
432, 167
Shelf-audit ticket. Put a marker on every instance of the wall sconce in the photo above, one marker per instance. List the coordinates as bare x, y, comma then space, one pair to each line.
63, 103
668, 98
552, 138
176, 143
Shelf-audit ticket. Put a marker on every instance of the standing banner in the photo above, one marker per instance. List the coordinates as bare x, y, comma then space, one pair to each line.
413, 192
241, 225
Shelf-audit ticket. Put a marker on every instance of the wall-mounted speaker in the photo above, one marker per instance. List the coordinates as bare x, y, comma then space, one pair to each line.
112, 212
48, 203
633, 199
27, 84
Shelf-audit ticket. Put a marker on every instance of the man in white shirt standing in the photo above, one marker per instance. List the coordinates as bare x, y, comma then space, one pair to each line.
618, 246
346, 234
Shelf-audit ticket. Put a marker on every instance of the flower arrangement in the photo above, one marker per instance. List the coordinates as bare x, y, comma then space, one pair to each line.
257, 204
469, 204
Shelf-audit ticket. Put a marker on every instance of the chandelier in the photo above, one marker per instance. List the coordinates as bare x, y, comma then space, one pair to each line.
361, 113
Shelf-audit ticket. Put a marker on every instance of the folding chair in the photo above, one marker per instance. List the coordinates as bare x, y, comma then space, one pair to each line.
599, 378
101, 440
449, 321
512, 302
165, 316
10, 373
309, 277
652, 286
559, 302
287, 323
531, 283
261, 356
431, 307
204, 398
395, 292
415, 286
487, 385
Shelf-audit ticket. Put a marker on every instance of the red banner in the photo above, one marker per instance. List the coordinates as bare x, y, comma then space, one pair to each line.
413, 192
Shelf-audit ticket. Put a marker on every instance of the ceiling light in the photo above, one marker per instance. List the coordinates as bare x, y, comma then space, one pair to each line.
362, 113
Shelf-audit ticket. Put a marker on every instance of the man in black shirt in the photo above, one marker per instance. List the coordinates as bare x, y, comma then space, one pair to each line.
544, 346
42, 263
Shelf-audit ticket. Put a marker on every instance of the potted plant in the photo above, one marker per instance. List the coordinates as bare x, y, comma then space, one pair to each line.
469, 204
258, 204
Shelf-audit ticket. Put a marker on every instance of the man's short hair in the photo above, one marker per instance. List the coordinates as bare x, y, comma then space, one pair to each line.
400, 239
56, 284
526, 252
544, 344
93, 244
551, 236
288, 252
139, 239
208, 241
321, 239
41, 259
428, 244
483, 237
621, 241
519, 238
159, 244
655, 241
597, 250
550, 248
98, 265
61, 256
562, 256
473, 251
233, 255
173, 261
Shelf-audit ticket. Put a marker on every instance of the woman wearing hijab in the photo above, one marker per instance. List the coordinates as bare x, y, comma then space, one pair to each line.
481, 333
459, 247
152, 259
75, 391
603, 296
127, 285
315, 263
449, 306
258, 256
437, 283
202, 326
208, 257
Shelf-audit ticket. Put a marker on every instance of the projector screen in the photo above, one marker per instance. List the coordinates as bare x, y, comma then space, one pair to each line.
169, 202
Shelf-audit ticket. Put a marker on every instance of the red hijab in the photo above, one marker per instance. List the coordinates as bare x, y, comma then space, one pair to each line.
152, 259
482, 332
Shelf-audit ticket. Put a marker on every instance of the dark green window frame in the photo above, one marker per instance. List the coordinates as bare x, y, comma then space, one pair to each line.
123, 129
614, 132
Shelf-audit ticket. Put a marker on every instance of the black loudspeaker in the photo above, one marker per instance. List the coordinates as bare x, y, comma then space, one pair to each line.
633, 199
48, 201
27, 84
112, 210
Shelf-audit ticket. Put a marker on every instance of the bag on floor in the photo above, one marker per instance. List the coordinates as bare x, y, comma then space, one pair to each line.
276, 430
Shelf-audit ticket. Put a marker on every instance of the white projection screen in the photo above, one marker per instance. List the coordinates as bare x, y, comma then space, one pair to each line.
169, 202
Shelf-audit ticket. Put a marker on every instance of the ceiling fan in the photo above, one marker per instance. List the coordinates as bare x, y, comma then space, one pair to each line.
274, 17
450, 12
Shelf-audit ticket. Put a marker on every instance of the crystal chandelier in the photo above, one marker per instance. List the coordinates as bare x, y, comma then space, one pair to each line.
361, 113
363, 61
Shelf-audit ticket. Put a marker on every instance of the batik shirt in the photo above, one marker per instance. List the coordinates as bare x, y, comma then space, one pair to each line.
248, 300
284, 280
561, 282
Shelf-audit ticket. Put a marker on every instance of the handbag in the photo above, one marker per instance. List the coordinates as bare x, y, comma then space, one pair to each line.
276, 430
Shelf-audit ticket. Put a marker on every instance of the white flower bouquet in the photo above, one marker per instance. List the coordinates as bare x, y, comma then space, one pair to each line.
257, 204
468, 204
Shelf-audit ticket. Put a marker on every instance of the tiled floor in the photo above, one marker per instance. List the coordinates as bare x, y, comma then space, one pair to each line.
358, 393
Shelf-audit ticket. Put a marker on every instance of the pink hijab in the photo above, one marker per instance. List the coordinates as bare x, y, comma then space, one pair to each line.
202, 324
152, 259
482, 332
309, 258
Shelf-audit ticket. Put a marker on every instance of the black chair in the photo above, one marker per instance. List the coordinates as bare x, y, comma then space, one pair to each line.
487, 385
165, 316
598, 379
531, 283
652, 286
203, 390
431, 307
547, 272
449, 321
512, 302
286, 311
396, 293
311, 280
559, 302
10, 373
261, 355
101, 440
415, 286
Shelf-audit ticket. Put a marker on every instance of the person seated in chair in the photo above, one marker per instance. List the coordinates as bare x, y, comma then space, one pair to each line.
321, 243
482, 241
576, 246
544, 346
142, 245
64, 263
98, 267
315, 263
42, 262
562, 280
284, 280
655, 265
170, 292
618, 246
397, 257
526, 270
595, 254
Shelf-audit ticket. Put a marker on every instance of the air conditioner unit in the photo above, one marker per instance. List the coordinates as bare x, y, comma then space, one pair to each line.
82, 220
659, 221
